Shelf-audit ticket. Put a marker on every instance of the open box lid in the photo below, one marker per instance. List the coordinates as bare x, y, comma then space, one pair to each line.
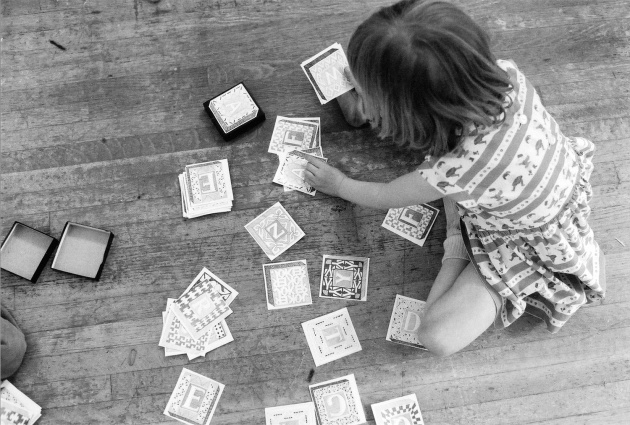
25, 251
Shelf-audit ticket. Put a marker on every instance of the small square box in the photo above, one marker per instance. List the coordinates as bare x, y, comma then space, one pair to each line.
25, 251
234, 111
82, 250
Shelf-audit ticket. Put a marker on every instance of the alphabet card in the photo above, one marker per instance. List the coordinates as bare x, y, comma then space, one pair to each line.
286, 284
412, 223
331, 337
206, 188
194, 398
337, 402
344, 277
405, 322
294, 133
292, 414
325, 71
398, 411
274, 230
291, 170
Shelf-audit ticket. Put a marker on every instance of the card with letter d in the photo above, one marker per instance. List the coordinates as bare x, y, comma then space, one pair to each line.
405, 322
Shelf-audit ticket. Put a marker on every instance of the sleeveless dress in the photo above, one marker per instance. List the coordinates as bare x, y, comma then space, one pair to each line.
522, 190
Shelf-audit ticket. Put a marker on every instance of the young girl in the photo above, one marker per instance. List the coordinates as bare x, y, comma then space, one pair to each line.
424, 75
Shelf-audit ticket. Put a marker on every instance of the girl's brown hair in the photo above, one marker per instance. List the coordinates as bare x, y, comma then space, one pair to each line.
427, 74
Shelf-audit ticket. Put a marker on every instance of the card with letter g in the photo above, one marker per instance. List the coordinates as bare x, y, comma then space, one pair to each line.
337, 402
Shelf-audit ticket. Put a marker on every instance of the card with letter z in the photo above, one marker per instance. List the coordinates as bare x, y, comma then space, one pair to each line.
405, 322
344, 277
331, 337
337, 402
412, 223
194, 398
286, 284
292, 414
274, 230
325, 71
398, 411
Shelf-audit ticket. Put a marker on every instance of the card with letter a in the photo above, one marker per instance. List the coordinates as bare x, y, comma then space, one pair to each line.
286, 284
412, 223
194, 398
337, 402
331, 337
292, 414
405, 322
325, 72
344, 277
274, 230
398, 411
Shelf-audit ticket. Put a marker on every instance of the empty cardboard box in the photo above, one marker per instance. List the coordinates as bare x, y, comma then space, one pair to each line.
25, 251
82, 250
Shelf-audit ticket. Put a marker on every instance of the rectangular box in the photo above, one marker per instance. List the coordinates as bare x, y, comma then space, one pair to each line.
82, 250
25, 251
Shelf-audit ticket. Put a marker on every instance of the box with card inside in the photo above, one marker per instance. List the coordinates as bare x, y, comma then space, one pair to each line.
82, 250
25, 251
234, 111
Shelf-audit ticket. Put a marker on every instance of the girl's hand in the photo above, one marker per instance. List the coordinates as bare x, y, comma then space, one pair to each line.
323, 177
351, 103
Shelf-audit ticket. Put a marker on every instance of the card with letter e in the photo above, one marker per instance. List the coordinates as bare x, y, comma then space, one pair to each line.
208, 182
287, 285
325, 73
405, 322
398, 411
194, 398
331, 337
274, 230
337, 402
412, 223
344, 277
293, 133
291, 414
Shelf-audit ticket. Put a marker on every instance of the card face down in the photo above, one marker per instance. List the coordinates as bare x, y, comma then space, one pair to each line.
274, 230
194, 398
234, 111
398, 411
412, 223
405, 322
331, 337
325, 71
292, 414
287, 285
337, 402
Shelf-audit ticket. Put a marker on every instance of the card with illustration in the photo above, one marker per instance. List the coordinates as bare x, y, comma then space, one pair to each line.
337, 402
331, 337
227, 292
398, 411
412, 223
208, 183
291, 171
274, 230
325, 71
291, 414
194, 398
233, 108
287, 285
405, 322
293, 133
344, 277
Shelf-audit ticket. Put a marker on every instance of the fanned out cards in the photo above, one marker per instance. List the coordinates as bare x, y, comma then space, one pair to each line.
206, 188
194, 398
16, 407
412, 223
325, 71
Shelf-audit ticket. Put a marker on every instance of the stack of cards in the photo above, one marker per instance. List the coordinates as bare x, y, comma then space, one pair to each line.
331, 337
294, 133
405, 322
337, 402
412, 223
274, 230
194, 398
16, 407
325, 71
286, 284
206, 188
194, 324
344, 277
401, 410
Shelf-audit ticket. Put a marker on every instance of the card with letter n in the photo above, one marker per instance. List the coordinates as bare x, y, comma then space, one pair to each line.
405, 322
331, 337
344, 277
412, 223
337, 402
291, 414
325, 71
286, 284
194, 398
293, 133
398, 411
274, 230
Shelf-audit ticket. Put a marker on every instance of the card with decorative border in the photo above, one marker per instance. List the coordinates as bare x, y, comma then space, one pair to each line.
337, 402
274, 230
287, 285
405, 322
344, 277
331, 337
412, 223
194, 398
291, 414
398, 411
293, 133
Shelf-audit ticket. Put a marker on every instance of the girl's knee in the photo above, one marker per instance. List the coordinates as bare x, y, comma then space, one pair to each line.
436, 339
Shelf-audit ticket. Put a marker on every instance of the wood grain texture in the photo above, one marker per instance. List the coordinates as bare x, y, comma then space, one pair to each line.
98, 132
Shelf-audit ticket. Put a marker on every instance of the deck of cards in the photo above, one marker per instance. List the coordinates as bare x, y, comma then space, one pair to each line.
325, 71
194, 324
16, 408
194, 398
401, 410
206, 188
331, 337
405, 322
337, 402
412, 223
274, 230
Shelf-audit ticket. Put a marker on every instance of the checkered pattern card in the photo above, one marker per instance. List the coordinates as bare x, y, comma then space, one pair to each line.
292, 414
25, 410
405, 322
291, 171
398, 411
293, 133
412, 223
233, 108
337, 402
227, 292
274, 230
331, 337
325, 71
194, 398
14, 414
286, 284
344, 277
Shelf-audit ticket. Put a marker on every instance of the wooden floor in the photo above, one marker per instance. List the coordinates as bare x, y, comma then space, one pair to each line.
96, 127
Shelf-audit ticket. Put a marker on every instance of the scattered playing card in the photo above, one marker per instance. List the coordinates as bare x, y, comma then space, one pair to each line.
412, 223
16, 406
405, 322
286, 284
344, 277
194, 398
291, 170
292, 414
337, 402
274, 230
293, 133
331, 337
398, 411
325, 71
